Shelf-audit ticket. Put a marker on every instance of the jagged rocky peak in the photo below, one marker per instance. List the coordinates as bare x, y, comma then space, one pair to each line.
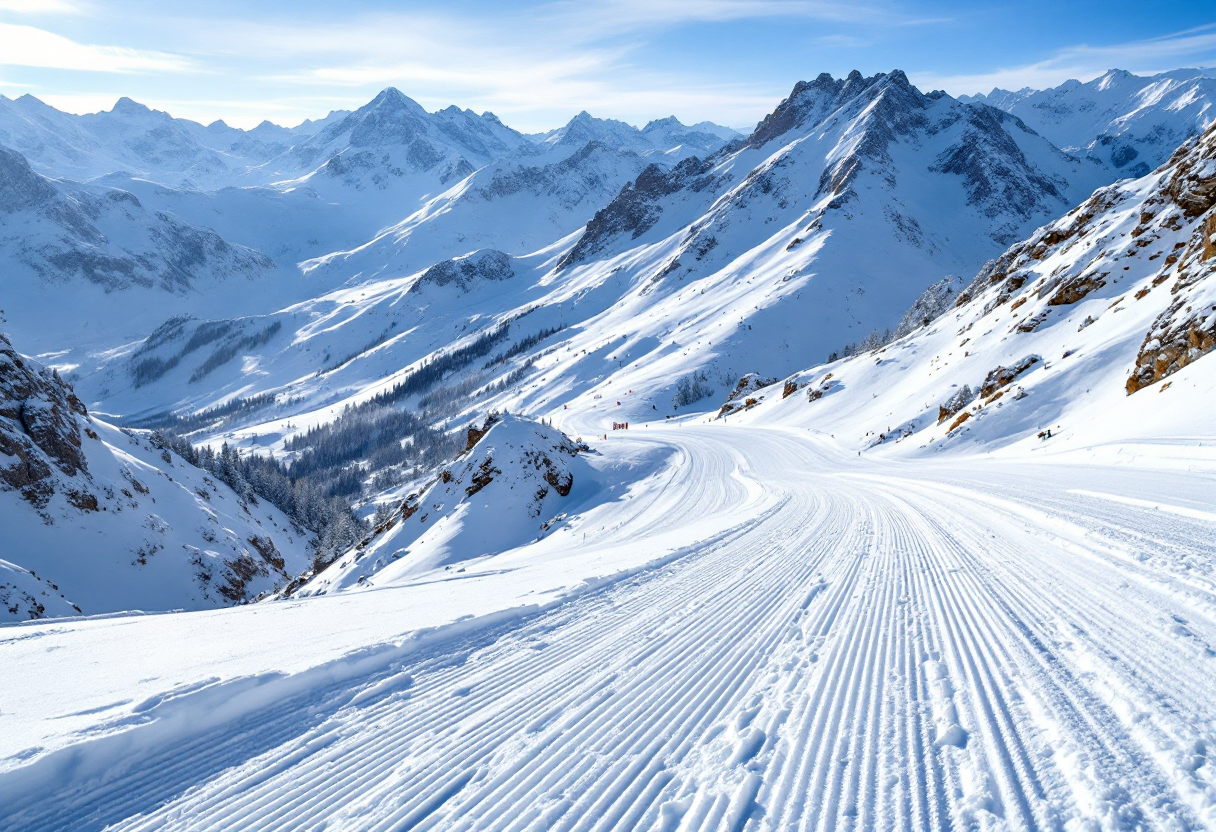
20, 187
812, 101
669, 123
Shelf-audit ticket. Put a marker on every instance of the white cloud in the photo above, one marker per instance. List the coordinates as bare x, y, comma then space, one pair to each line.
39, 7
34, 47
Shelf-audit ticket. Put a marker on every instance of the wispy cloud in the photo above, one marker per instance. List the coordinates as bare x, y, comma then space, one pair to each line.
36, 7
1084, 63
34, 47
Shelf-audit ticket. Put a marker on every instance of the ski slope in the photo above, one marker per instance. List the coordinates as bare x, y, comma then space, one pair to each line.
763, 632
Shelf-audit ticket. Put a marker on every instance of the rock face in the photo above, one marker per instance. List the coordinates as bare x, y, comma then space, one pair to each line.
20, 187
39, 432
637, 207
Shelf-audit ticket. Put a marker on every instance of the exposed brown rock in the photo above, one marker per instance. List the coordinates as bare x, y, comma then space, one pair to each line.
1175, 340
1076, 288
1004, 376
962, 417
269, 552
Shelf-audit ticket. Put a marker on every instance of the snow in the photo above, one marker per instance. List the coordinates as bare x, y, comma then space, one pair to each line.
982, 642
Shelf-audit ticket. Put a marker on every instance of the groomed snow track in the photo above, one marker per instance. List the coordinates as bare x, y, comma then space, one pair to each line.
876, 646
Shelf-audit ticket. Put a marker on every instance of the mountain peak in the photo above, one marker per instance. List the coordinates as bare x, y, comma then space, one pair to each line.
128, 106
1112, 77
898, 76
814, 99
661, 123
392, 99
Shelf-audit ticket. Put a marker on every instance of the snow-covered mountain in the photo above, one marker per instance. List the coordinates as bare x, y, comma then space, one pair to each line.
1127, 122
513, 205
393, 143
142, 142
1097, 327
662, 138
827, 222
107, 520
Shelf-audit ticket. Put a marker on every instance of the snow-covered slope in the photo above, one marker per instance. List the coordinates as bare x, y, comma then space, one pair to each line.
1126, 122
108, 521
1097, 328
772, 634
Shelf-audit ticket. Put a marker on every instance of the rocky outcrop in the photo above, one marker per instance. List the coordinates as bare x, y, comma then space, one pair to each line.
39, 432
467, 271
1175, 340
1004, 376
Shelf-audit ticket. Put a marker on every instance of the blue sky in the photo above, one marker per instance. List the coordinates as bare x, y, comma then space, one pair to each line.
536, 64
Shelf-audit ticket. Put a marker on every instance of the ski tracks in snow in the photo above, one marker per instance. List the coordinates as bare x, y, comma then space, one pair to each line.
877, 649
